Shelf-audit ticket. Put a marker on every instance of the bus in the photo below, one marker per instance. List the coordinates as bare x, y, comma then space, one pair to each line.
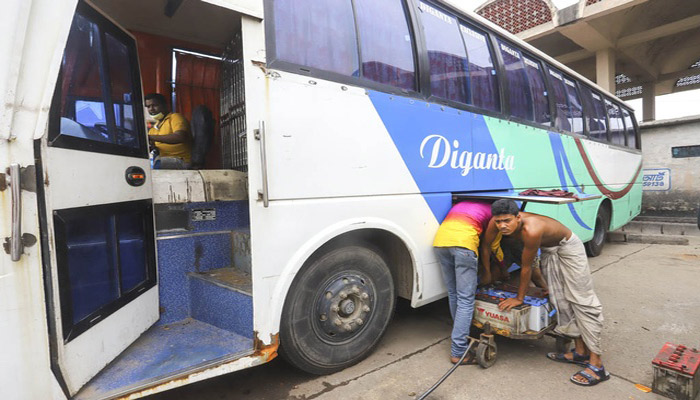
345, 130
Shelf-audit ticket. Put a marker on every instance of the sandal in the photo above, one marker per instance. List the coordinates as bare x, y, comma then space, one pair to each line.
470, 359
579, 359
600, 375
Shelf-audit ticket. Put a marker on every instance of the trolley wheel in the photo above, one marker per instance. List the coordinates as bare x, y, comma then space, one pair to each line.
486, 354
563, 345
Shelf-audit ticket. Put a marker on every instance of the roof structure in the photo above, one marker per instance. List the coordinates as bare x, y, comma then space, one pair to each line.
634, 48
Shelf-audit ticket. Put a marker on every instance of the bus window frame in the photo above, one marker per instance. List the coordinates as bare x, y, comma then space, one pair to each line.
587, 113
56, 139
425, 63
634, 127
273, 62
524, 53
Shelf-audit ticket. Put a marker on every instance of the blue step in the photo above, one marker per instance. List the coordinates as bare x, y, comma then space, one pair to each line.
222, 298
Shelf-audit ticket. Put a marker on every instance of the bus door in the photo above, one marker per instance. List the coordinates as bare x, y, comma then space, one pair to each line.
96, 202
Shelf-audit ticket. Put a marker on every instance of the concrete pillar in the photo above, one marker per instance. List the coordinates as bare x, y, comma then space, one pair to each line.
648, 101
605, 69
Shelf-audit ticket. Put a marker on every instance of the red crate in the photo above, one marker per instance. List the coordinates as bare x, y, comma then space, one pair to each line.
675, 372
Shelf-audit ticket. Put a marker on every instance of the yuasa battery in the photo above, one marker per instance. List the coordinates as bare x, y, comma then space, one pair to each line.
530, 317
676, 372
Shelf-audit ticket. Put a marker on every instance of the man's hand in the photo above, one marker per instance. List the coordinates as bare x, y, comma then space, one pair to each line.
507, 304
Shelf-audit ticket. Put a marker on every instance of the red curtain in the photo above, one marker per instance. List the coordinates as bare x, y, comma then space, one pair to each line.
197, 81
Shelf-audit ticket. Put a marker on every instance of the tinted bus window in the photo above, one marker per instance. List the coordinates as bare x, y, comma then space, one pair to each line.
575, 108
317, 34
519, 95
617, 129
448, 59
595, 114
561, 116
482, 74
630, 132
539, 91
122, 90
387, 50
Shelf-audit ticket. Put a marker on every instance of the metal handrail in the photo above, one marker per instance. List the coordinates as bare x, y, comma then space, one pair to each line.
16, 246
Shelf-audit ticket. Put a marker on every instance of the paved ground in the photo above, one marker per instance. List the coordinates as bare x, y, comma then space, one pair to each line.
650, 294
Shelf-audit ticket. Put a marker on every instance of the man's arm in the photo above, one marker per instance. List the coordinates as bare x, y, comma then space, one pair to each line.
485, 250
531, 242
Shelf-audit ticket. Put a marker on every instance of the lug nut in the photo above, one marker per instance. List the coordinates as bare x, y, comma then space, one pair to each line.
343, 295
335, 308
329, 295
347, 327
365, 308
359, 321
337, 322
355, 289
364, 296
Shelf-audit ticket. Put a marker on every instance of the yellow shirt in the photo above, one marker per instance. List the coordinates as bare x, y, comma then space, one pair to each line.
173, 122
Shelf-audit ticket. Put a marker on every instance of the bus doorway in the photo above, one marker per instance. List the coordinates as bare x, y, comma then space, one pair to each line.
151, 278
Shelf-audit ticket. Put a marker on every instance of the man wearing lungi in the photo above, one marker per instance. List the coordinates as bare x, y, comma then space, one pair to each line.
565, 268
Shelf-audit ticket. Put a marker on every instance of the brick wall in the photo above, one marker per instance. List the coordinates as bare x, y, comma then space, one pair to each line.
517, 15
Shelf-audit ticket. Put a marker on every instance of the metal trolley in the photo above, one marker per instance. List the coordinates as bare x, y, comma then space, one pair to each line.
530, 320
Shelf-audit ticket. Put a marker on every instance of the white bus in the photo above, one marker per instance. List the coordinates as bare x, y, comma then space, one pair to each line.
346, 129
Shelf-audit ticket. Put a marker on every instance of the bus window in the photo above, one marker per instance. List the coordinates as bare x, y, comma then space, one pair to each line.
561, 116
617, 128
630, 132
482, 74
448, 59
539, 91
595, 114
82, 109
519, 95
316, 34
387, 50
120, 76
575, 108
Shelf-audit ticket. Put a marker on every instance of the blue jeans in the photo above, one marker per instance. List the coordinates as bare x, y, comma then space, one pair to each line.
459, 267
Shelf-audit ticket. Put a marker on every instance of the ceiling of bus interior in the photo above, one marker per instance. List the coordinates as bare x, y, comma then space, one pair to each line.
193, 20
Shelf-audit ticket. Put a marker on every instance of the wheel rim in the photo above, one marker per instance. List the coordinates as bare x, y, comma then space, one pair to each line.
344, 306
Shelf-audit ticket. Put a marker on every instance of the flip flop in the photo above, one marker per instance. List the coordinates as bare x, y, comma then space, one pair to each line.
579, 359
600, 375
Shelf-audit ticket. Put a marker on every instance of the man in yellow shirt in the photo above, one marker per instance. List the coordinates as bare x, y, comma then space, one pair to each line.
171, 134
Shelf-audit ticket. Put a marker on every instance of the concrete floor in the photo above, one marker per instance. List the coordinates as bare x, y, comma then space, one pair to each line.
650, 295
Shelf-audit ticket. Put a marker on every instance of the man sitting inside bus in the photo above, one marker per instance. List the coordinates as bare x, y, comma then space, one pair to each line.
565, 268
171, 133
456, 245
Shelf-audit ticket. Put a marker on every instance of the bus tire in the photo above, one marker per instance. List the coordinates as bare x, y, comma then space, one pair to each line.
337, 309
600, 232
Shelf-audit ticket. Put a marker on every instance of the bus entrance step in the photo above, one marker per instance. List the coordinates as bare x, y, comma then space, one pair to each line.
222, 298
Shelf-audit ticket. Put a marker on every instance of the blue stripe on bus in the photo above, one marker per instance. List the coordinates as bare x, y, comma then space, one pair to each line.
463, 138
562, 161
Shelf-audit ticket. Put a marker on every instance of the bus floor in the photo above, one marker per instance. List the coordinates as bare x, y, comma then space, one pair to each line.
164, 352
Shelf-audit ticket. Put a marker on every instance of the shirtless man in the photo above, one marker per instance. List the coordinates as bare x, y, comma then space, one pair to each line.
565, 268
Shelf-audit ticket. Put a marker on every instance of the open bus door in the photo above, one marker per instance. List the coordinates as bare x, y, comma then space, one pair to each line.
95, 202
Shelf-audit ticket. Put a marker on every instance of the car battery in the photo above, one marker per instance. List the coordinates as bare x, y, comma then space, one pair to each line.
530, 317
676, 372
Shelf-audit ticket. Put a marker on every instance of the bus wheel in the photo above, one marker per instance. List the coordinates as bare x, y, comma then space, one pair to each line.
602, 221
337, 310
